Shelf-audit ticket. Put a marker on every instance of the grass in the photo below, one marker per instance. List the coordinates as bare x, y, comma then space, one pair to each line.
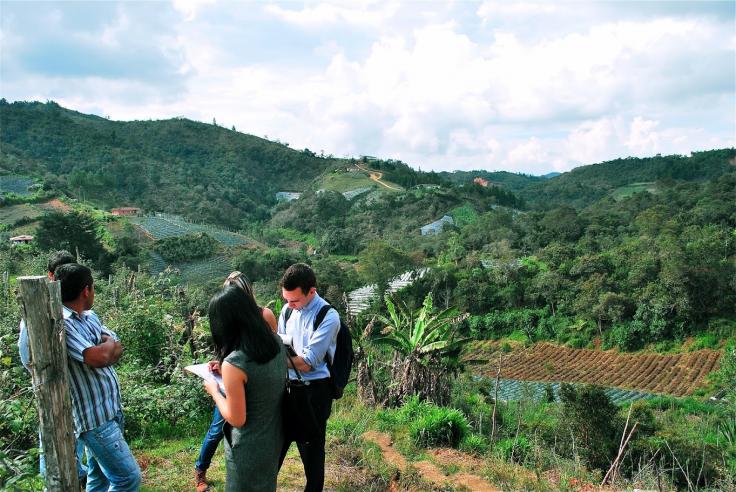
630, 189
167, 462
342, 181
12, 214
294, 235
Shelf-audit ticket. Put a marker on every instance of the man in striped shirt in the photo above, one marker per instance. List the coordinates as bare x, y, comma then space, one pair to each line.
55, 260
97, 410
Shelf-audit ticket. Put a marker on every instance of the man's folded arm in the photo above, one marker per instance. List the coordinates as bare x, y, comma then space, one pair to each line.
104, 354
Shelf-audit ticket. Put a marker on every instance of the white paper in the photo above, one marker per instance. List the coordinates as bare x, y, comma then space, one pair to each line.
203, 371
288, 343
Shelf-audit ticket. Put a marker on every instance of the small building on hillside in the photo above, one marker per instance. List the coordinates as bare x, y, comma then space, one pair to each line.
436, 226
481, 181
22, 239
127, 211
287, 196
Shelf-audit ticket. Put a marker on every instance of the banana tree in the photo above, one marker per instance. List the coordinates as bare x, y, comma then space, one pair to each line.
426, 350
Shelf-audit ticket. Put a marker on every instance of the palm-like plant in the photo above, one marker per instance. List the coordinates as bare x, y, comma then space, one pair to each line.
426, 350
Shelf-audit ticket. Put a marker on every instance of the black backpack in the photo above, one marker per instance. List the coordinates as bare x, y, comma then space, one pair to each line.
342, 362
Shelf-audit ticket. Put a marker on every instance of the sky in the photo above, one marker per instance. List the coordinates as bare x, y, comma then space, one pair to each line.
495, 85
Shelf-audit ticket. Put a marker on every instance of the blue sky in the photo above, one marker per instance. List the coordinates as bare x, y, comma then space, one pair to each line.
497, 85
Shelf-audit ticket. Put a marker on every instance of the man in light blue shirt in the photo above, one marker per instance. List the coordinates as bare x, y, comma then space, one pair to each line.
312, 346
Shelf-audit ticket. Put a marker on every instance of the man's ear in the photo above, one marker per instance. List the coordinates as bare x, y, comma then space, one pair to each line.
85, 292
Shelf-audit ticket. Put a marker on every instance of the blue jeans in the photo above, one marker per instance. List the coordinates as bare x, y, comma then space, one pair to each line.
110, 464
211, 441
79, 451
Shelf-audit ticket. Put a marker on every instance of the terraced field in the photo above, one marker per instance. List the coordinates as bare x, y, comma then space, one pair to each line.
161, 226
673, 374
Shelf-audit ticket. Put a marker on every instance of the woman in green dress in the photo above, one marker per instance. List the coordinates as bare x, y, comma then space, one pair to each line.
253, 367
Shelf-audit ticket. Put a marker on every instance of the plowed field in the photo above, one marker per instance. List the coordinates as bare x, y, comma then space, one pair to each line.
674, 374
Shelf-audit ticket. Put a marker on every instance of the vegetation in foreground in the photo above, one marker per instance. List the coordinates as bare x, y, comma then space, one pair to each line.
459, 428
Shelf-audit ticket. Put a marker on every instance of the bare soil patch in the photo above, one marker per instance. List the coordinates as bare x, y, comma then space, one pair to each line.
56, 205
428, 471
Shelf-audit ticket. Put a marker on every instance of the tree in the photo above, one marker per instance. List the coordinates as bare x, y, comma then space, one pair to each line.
74, 232
426, 351
380, 262
591, 418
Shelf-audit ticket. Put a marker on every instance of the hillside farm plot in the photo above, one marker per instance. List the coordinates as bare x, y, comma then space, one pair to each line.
14, 213
630, 189
672, 374
15, 184
161, 226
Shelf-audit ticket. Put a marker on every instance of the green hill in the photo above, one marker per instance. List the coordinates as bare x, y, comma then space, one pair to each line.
205, 172
585, 185
513, 182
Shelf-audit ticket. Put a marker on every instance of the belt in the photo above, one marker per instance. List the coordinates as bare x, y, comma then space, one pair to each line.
312, 382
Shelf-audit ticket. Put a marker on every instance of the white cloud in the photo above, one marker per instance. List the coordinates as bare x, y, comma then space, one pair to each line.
441, 87
190, 8
367, 14
643, 136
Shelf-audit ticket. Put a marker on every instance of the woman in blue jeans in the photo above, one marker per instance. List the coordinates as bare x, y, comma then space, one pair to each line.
215, 433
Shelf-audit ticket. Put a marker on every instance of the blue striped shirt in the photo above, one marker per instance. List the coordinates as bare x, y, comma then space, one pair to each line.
95, 391
313, 345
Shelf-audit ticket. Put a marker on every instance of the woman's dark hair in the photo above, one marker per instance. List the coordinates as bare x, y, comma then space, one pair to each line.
299, 275
59, 258
237, 322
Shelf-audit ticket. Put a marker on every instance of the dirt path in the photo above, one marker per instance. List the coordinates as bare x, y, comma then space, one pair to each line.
428, 471
376, 176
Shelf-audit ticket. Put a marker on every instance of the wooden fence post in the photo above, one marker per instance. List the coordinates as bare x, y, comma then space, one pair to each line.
42, 311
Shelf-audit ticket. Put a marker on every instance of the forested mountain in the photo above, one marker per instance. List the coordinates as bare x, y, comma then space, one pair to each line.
586, 184
204, 171
514, 182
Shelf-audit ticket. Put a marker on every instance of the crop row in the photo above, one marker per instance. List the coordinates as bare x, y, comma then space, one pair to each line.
673, 374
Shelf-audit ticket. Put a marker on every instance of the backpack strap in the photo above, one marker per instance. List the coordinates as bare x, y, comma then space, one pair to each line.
318, 321
287, 314
320, 316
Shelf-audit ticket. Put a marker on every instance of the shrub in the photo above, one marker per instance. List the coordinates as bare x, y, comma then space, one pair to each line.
475, 444
628, 336
171, 409
592, 419
705, 341
438, 426
187, 247
515, 450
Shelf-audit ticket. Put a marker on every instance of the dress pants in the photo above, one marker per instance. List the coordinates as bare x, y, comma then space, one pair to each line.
313, 453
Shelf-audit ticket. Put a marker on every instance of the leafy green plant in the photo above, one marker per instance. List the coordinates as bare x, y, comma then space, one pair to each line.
438, 426
513, 449
426, 350
475, 444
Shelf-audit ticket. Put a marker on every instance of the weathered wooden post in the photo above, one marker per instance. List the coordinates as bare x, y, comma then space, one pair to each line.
42, 311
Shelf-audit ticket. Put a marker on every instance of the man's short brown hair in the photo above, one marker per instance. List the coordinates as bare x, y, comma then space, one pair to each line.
299, 275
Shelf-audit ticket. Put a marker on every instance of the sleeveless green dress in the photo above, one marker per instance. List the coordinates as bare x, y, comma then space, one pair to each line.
252, 456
